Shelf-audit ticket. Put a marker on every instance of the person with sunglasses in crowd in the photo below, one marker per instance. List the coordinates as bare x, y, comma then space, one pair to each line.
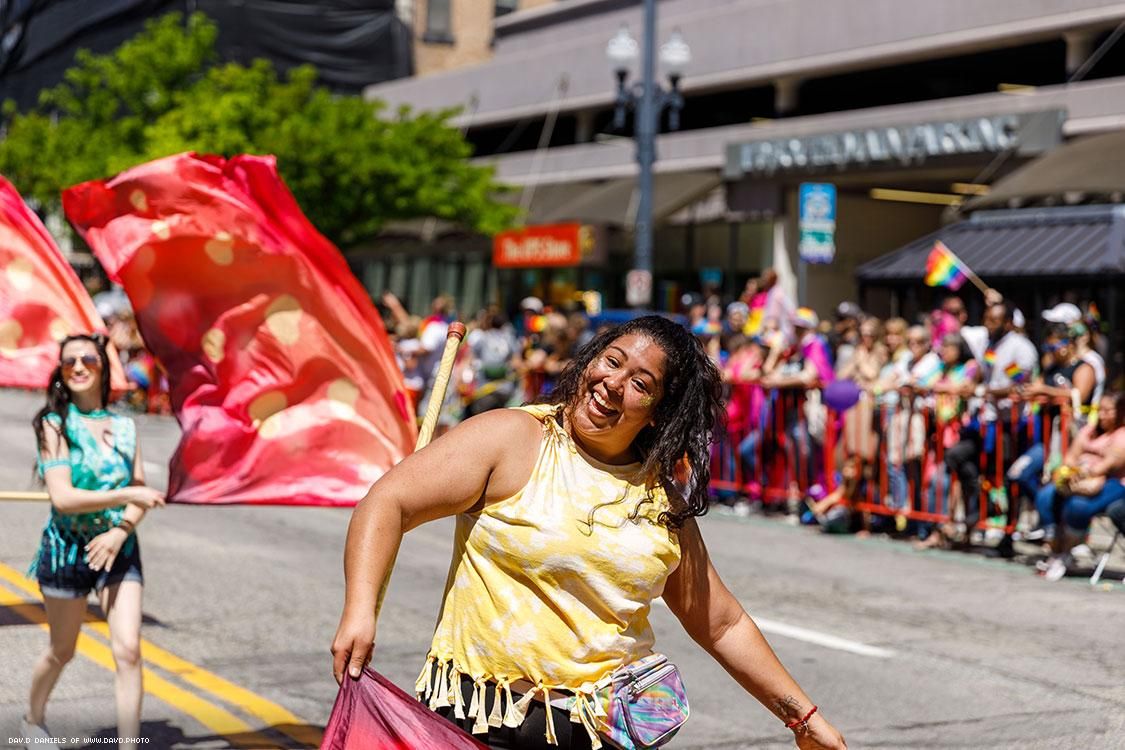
90, 461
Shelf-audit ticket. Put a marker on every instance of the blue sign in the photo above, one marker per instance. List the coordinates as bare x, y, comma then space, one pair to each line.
817, 222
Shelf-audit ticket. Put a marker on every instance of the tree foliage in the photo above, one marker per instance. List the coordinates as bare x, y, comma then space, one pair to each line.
352, 165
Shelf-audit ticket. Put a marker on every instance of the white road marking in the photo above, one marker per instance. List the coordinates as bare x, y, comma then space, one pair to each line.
815, 637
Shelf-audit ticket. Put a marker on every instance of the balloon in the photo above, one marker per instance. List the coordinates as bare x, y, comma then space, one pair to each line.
841, 395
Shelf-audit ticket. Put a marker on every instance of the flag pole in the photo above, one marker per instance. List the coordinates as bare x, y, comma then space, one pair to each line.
441, 384
433, 409
968, 271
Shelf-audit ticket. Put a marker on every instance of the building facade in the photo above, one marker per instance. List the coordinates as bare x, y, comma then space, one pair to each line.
908, 108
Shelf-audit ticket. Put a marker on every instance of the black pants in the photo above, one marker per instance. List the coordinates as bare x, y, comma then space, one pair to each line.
963, 460
531, 734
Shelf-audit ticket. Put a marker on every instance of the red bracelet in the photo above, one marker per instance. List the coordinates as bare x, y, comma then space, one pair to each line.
801, 722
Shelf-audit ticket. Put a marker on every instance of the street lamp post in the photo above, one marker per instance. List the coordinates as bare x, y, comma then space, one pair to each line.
648, 99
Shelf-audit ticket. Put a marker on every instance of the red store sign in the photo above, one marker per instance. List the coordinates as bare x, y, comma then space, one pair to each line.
549, 245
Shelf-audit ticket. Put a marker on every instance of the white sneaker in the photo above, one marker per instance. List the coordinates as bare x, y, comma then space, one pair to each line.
36, 735
1058, 568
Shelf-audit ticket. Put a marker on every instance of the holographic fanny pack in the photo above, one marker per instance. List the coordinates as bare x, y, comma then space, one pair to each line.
645, 704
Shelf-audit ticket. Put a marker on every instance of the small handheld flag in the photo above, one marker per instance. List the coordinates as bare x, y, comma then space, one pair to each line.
942, 268
1014, 373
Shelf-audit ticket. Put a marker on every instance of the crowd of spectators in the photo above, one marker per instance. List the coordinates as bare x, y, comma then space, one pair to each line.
934, 428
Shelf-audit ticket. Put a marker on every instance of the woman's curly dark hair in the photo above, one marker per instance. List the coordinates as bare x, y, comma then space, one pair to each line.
58, 395
686, 417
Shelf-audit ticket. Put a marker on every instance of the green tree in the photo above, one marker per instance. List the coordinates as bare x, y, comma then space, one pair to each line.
351, 165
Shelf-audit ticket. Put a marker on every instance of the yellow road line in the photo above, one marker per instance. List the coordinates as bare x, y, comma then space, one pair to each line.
217, 719
269, 712
266, 710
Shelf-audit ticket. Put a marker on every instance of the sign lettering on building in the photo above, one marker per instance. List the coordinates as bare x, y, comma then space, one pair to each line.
904, 145
543, 246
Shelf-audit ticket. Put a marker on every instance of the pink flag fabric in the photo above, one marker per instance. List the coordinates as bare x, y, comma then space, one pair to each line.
282, 376
41, 299
372, 712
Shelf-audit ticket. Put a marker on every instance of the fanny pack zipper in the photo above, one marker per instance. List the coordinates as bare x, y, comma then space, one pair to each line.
656, 677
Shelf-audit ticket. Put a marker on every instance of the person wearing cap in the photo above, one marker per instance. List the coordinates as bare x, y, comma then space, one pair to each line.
1064, 313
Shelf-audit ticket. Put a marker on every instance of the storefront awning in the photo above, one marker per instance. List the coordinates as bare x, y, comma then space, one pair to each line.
1093, 166
1077, 241
614, 201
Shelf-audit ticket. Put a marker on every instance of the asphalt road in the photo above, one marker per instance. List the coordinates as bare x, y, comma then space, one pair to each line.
900, 649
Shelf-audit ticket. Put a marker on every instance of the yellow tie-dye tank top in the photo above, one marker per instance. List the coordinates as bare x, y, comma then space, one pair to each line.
536, 594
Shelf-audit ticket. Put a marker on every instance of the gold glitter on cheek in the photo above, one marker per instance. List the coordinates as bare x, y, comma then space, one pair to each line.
647, 401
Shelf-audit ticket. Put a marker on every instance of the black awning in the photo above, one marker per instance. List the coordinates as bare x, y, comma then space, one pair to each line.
1075, 241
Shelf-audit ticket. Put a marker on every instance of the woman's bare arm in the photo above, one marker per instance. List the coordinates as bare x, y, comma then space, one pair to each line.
714, 619
483, 459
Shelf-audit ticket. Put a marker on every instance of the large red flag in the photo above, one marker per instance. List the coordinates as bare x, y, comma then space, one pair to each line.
283, 378
372, 712
41, 299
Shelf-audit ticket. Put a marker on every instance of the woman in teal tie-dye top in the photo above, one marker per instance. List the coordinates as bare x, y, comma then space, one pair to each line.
90, 462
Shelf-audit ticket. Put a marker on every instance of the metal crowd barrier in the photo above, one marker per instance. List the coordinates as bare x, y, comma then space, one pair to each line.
790, 443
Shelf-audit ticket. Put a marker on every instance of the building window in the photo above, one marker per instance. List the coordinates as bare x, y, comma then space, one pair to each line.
439, 22
504, 7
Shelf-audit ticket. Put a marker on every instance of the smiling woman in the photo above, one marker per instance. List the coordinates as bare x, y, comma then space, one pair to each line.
573, 516
91, 464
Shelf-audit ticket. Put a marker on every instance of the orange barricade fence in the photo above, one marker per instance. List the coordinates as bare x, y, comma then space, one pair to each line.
889, 451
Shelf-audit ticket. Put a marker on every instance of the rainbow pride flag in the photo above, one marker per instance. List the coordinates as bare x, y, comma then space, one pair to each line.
942, 269
1014, 373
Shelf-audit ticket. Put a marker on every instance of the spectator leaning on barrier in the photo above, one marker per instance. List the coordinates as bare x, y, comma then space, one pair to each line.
807, 366
951, 385
1006, 359
861, 440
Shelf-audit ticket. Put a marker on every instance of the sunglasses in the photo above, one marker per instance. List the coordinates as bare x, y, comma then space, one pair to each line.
89, 361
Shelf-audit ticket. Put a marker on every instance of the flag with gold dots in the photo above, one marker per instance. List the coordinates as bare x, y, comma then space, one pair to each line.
42, 300
282, 376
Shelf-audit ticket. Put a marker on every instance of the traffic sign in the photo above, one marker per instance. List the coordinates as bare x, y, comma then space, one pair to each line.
817, 222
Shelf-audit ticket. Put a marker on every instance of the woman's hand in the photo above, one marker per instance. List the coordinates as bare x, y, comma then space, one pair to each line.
354, 643
818, 734
145, 497
102, 550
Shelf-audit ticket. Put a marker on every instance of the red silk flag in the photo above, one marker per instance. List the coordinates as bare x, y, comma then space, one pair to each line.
372, 712
282, 376
41, 299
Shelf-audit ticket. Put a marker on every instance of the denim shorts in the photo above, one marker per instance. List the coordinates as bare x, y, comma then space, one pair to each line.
76, 580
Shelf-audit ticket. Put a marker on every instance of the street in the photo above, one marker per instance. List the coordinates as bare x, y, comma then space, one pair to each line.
900, 649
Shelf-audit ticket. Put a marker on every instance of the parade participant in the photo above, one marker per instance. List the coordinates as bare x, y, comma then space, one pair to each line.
90, 461
572, 518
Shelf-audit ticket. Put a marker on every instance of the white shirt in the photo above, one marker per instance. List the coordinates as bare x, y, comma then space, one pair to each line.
1012, 349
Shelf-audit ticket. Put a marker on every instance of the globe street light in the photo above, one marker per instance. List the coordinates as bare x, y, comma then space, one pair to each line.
648, 100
